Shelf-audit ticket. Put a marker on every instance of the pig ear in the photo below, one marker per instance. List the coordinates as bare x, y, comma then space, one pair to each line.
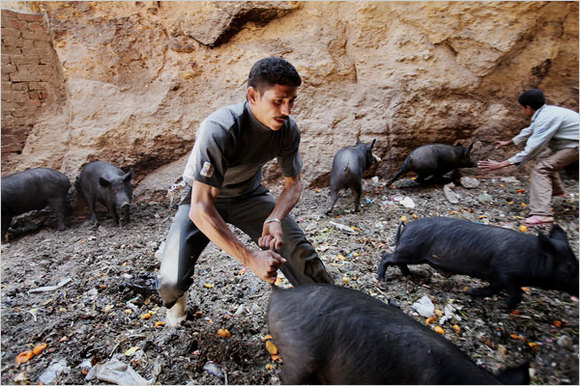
357, 140
469, 148
127, 177
104, 183
373, 143
459, 144
557, 233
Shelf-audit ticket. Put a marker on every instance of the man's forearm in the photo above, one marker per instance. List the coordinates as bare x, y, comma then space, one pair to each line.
288, 198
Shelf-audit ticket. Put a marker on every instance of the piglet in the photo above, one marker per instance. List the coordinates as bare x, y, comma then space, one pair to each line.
327, 334
34, 189
505, 258
434, 160
347, 170
105, 183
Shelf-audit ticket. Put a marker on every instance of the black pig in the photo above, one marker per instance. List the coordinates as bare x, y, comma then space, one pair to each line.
435, 159
34, 189
347, 170
505, 258
327, 334
100, 181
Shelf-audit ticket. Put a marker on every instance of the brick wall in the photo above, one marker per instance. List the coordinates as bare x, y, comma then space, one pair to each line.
32, 78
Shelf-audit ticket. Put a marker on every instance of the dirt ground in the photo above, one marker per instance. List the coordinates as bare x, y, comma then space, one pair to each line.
100, 315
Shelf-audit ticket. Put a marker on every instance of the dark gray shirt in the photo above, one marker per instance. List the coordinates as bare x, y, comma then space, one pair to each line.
232, 146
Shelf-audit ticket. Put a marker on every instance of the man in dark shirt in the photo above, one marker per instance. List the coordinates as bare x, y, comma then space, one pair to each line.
224, 185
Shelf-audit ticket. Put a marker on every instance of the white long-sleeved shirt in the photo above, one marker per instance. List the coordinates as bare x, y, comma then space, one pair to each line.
553, 126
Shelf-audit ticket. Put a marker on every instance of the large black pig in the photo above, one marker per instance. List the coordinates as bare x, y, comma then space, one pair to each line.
505, 258
34, 189
347, 170
105, 183
327, 334
434, 160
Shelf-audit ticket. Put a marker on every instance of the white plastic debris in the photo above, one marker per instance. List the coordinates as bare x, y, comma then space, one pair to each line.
424, 307
511, 180
116, 372
52, 372
214, 369
342, 227
450, 314
407, 202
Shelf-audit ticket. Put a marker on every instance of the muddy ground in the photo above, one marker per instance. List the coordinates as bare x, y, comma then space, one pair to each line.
98, 315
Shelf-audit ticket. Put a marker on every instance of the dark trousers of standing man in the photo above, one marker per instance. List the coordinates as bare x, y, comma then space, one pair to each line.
185, 243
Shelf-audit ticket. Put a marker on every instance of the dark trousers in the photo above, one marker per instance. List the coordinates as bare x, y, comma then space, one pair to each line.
185, 243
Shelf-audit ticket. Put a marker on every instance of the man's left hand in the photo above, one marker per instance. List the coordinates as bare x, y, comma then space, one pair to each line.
272, 236
492, 165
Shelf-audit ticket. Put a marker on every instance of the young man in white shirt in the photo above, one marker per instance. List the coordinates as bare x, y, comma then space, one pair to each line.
552, 138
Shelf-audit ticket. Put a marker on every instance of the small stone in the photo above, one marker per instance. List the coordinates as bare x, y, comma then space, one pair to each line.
469, 182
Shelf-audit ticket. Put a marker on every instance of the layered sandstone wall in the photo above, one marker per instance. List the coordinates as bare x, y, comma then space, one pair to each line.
139, 77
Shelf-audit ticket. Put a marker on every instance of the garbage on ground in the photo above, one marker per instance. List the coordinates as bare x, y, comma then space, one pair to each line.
424, 307
407, 202
450, 195
214, 369
52, 372
344, 228
116, 372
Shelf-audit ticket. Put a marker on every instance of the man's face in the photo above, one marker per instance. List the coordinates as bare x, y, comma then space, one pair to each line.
273, 106
527, 111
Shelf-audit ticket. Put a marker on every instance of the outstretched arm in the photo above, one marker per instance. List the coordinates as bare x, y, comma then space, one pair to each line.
272, 234
207, 219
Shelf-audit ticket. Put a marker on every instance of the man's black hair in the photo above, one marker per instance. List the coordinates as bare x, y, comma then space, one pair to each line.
534, 98
267, 72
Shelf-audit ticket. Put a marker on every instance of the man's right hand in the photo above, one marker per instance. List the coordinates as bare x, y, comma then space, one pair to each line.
265, 265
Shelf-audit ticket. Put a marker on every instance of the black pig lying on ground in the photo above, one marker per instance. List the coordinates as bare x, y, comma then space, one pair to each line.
347, 170
34, 189
100, 181
327, 334
434, 160
505, 258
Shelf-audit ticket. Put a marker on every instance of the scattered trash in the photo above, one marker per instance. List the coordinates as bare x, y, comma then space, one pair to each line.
214, 369
439, 330
424, 307
450, 313
344, 228
375, 179
52, 287
450, 195
52, 372
224, 333
469, 182
116, 372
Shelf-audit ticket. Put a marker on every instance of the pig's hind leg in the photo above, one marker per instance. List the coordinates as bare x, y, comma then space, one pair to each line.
59, 209
389, 259
333, 199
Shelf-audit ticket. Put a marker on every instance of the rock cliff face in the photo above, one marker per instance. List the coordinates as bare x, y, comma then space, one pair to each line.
139, 77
